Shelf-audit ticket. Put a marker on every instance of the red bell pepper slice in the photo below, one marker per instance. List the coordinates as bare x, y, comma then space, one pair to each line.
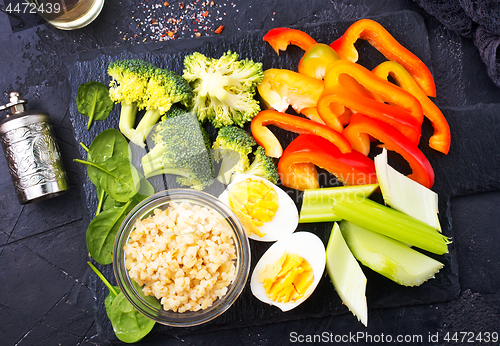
281, 88
441, 139
351, 168
270, 143
387, 91
280, 38
362, 125
385, 43
333, 103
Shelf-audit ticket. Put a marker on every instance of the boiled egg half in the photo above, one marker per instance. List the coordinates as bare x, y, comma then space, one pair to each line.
289, 271
266, 211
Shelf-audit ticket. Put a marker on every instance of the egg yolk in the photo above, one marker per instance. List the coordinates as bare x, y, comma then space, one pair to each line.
287, 279
254, 202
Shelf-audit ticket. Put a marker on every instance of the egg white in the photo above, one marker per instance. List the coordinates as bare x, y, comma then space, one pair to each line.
305, 244
283, 223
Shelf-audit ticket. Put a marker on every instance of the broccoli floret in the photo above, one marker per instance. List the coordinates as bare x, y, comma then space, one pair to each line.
263, 166
232, 146
164, 89
138, 85
129, 80
223, 88
173, 112
180, 148
127, 87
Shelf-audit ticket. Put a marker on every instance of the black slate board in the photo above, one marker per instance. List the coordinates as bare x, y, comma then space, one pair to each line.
471, 166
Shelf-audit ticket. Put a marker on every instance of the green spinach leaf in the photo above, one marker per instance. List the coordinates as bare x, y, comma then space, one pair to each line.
102, 231
92, 100
145, 190
108, 202
116, 175
128, 324
109, 143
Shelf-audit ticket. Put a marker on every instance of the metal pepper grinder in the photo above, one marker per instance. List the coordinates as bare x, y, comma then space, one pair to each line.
32, 153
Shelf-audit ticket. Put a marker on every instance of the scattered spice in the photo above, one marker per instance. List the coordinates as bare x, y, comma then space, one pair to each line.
154, 20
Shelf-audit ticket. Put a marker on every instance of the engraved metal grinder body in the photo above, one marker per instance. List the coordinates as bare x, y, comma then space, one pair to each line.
32, 153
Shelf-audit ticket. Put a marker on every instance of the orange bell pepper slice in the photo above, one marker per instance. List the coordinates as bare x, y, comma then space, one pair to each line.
299, 176
281, 88
293, 123
333, 103
351, 168
385, 43
281, 38
393, 140
387, 91
441, 139
312, 114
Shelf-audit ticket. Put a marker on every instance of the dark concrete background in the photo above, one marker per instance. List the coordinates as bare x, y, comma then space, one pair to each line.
45, 293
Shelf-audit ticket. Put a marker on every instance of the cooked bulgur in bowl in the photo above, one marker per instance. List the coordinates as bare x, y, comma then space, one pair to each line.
187, 250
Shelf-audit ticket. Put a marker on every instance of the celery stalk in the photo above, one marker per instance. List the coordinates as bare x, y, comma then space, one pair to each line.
346, 275
406, 195
389, 257
317, 204
392, 223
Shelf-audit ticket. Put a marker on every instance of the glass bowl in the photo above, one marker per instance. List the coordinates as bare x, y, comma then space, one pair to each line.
146, 304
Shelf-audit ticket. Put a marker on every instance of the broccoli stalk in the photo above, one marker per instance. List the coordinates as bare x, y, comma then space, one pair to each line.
230, 159
126, 123
127, 87
223, 88
139, 85
181, 148
148, 120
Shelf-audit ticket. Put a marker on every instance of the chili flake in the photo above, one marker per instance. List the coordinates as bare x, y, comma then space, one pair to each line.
219, 29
